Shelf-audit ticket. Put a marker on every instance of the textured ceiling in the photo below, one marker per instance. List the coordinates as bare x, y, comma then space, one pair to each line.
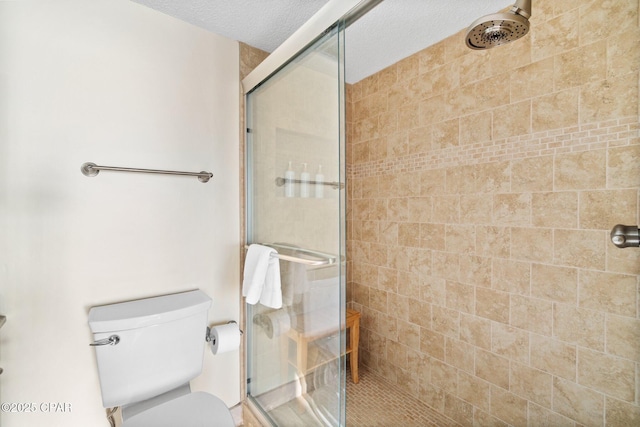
390, 32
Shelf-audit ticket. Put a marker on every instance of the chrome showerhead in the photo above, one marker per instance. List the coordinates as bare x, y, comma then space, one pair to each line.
500, 28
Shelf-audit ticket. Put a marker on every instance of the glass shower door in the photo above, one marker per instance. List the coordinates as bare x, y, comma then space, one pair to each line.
296, 204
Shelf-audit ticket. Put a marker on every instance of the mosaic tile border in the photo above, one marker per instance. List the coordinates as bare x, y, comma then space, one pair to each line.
590, 136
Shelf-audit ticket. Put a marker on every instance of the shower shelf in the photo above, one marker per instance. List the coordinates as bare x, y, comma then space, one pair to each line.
320, 258
335, 185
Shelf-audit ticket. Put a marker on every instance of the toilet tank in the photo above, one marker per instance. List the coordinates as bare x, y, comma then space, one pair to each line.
161, 345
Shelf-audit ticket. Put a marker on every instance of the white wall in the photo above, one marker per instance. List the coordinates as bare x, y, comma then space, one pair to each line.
115, 83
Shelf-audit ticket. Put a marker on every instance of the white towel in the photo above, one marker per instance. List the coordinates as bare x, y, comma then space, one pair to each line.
262, 277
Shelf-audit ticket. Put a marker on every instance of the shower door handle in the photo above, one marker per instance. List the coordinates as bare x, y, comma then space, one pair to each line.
625, 236
3, 319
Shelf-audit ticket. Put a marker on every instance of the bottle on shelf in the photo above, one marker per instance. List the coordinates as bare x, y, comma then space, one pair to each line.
289, 176
305, 177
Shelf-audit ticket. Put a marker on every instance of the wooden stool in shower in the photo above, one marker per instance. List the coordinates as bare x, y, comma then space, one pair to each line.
353, 326
303, 339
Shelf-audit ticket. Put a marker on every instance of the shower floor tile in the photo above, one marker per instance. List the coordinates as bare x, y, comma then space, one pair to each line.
374, 402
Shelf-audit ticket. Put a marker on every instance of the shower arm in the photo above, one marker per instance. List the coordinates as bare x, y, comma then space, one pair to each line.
522, 8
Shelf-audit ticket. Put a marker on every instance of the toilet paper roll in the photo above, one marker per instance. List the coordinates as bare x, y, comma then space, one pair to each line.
274, 323
225, 338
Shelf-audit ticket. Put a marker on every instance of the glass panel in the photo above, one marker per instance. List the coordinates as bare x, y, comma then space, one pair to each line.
296, 197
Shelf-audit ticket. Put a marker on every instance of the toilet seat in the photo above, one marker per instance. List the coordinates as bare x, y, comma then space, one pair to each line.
197, 409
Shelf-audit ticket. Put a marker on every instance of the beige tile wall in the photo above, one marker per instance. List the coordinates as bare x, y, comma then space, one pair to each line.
482, 188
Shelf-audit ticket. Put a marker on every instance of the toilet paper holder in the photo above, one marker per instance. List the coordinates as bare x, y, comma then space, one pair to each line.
210, 339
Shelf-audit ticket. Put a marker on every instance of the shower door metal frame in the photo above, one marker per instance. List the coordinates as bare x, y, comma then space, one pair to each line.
345, 11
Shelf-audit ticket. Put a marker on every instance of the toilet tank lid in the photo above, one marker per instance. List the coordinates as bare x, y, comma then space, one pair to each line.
148, 311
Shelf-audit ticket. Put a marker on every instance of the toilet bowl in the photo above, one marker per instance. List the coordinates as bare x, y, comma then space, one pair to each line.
193, 409
147, 351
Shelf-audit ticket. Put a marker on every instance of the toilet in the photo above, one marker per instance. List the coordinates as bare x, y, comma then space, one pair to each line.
147, 351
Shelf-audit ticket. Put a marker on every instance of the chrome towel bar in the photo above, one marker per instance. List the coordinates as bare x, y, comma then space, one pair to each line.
321, 257
91, 169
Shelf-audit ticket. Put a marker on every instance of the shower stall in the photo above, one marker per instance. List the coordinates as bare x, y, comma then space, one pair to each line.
483, 188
